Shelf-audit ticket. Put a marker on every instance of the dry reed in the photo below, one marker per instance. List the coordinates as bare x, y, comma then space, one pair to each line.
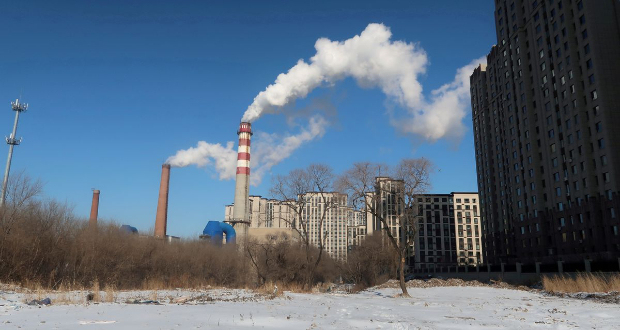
582, 283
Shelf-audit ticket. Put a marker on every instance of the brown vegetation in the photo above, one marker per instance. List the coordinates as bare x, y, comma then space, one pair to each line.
44, 245
371, 263
370, 186
582, 283
284, 261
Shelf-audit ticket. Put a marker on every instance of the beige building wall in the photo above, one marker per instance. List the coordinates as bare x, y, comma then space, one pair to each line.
334, 227
273, 234
468, 228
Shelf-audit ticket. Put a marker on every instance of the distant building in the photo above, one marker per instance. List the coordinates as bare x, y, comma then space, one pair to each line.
449, 231
356, 231
269, 218
449, 225
545, 116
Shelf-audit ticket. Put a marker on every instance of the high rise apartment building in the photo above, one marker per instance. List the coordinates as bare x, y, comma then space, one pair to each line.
449, 231
326, 216
449, 225
545, 110
265, 213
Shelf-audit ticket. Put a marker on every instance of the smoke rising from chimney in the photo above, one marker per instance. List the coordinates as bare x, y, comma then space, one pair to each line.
443, 115
268, 150
371, 58
224, 158
271, 149
375, 61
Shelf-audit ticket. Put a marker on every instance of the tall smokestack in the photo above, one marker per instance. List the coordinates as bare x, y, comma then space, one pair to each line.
161, 219
94, 209
242, 188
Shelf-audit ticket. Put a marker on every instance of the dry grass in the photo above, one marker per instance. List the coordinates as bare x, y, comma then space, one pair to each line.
582, 283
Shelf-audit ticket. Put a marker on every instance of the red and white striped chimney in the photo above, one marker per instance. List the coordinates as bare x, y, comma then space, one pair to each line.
242, 187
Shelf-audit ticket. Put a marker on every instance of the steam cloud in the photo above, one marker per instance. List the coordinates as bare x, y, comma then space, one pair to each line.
268, 150
443, 116
371, 58
374, 61
204, 153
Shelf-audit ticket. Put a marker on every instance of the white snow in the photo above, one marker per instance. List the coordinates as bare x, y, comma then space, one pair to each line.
429, 308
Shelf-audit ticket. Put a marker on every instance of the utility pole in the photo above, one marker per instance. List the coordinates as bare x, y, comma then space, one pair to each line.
11, 141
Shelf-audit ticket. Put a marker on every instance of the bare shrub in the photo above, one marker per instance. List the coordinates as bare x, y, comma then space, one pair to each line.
582, 283
42, 244
284, 262
371, 263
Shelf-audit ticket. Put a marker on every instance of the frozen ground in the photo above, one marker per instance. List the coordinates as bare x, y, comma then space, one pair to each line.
430, 308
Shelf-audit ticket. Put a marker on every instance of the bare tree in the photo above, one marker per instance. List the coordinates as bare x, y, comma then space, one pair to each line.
390, 197
297, 190
21, 190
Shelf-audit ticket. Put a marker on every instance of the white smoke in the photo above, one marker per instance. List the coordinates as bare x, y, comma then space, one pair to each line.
371, 58
271, 149
374, 61
267, 151
445, 112
225, 158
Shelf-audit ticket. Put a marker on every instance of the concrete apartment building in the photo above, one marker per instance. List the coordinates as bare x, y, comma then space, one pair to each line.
356, 228
449, 231
271, 217
334, 228
545, 112
449, 225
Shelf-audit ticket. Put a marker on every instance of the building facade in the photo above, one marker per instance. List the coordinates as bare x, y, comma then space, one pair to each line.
326, 217
449, 231
545, 110
449, 226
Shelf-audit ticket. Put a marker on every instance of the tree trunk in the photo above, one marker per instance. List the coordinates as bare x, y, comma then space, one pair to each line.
401, 275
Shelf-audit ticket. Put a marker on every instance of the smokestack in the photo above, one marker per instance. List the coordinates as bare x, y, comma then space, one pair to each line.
94, 209
161, 219
242, 187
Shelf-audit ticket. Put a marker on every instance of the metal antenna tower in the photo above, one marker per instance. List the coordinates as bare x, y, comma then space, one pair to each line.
12, 141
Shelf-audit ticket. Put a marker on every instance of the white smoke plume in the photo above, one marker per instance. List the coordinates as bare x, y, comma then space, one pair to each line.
446, 110
267, 151
371, 58
374, 61
271, 149
224, 157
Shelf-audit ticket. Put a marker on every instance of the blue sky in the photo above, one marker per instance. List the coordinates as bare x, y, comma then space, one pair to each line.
116, 87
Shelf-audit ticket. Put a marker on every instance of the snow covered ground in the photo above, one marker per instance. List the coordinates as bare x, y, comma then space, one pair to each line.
429, 308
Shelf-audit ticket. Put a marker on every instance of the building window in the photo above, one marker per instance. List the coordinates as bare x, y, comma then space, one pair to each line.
594, 95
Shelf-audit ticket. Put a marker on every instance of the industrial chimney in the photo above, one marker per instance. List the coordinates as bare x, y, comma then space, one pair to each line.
94, 209
242, 188
161, 219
